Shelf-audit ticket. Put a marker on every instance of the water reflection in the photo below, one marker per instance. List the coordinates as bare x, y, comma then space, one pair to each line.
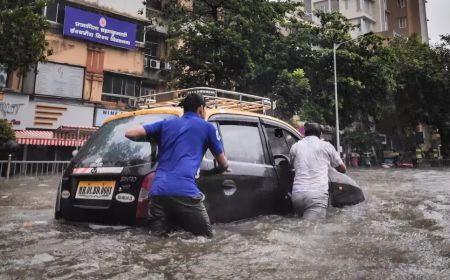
401, 231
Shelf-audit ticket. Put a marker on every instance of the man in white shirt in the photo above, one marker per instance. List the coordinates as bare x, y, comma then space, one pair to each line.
311, 158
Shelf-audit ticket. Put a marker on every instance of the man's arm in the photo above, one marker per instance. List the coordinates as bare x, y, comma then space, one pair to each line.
335, 159
222, 161
136, 133
341, 168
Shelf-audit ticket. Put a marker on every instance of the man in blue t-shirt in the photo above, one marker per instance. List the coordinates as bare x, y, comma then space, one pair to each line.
174, 198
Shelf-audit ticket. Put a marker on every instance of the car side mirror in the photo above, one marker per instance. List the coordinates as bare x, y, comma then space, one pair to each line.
278, 132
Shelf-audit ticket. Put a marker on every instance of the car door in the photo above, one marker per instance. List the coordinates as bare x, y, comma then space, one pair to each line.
279, 139
247, 190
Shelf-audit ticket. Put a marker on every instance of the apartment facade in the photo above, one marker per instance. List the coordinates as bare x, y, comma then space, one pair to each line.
388, 17
368, 15
407, 17
105, 54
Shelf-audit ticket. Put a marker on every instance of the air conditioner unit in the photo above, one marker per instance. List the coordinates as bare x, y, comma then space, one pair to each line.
154, 64
166, 66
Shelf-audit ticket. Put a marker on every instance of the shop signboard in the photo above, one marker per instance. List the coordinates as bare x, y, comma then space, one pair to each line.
102, 114
99, 28
24, 113
15, 109
59, 80
53, 115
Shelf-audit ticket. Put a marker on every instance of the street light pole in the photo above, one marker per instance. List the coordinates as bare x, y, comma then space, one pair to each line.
335, 47
338, 143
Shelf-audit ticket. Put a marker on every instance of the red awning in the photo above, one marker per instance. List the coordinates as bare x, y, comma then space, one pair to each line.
51, 142
43, 137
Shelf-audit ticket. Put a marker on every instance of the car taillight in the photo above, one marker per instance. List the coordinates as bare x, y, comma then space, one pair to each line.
142, 206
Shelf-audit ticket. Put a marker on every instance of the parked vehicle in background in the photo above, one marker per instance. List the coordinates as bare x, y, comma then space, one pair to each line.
110, 178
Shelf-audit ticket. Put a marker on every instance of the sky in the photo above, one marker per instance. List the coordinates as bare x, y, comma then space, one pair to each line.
438, 14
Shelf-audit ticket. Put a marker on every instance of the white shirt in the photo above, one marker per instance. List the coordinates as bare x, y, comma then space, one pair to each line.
311, 158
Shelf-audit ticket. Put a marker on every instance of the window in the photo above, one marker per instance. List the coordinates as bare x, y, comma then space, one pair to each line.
346, 4
401, 3
361, 25
115, 85
386, 20
152, 45
154, 4
113, 149
322, 8
3, 76
55, 11
280, 141
277, 142
368, 6
140, 33
236, 149
402, 22
290, 139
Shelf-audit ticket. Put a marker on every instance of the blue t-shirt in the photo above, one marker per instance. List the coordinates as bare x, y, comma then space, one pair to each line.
182, 144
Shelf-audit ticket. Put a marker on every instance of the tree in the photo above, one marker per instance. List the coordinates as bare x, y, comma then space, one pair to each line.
227, 44
22, 28
291, 90
441, 116
6, 132
364, 75
420, 91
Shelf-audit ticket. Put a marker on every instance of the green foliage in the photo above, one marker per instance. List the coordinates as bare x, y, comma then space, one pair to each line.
6, 132
421, 84
364, 76
22, 35
312, 112
290, 91
227, 44
260, 47
361, 140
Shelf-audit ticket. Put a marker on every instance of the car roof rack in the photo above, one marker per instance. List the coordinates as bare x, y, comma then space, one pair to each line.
214, 98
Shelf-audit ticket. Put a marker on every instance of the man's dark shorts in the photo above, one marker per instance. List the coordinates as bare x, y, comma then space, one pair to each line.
165, 212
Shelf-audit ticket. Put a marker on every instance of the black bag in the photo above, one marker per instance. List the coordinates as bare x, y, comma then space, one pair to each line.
343, 190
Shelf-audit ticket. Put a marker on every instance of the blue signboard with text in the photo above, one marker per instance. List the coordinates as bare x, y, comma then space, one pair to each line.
99, 28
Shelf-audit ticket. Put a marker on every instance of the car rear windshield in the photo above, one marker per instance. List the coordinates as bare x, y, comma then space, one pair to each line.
108, 147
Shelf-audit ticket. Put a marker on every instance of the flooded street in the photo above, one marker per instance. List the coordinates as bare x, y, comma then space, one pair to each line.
401, 231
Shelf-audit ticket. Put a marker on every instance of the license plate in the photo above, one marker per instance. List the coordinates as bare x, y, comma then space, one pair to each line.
101, 190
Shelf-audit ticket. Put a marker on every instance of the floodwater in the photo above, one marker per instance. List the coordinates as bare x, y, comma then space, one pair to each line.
401, 231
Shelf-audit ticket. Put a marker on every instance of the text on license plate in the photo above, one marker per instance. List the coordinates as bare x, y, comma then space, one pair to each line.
95, 190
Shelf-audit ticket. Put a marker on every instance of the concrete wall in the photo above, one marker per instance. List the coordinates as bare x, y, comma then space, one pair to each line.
96, 58
124, 7
124, 61
66, 50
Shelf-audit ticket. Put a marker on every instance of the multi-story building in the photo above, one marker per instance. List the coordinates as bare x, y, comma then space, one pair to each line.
368, 15
105, 53
407, 17
388, 17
